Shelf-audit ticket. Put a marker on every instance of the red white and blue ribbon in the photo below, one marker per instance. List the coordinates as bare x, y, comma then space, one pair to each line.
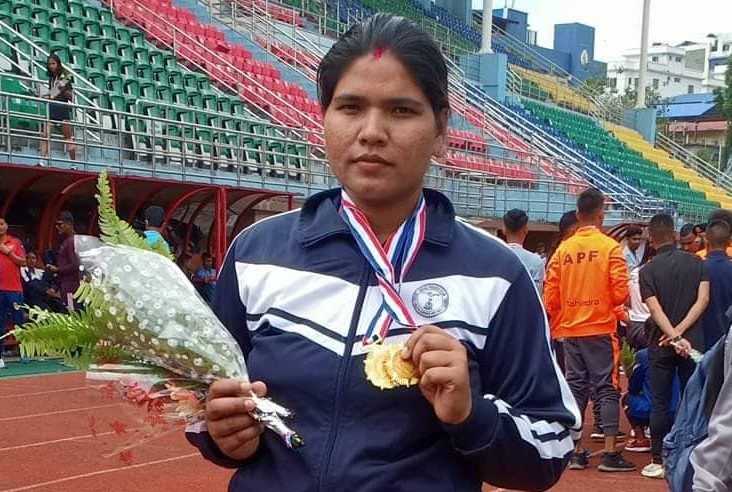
391, 262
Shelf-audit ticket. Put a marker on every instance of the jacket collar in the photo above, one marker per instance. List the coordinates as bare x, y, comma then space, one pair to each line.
319, 218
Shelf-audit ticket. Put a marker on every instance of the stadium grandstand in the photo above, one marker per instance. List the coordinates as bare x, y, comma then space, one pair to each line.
209, 108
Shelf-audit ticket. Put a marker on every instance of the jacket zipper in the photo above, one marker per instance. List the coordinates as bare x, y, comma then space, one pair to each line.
342, 370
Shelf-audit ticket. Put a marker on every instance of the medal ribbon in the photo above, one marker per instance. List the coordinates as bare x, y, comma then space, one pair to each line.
400, 250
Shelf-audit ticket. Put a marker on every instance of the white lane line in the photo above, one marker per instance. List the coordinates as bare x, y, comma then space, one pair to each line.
37, 393
100, 472
75, 438
19, 417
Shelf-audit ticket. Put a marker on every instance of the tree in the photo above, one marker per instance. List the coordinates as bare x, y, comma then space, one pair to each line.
724, 105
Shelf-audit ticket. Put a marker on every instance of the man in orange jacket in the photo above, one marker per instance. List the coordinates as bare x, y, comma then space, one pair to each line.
586, 283
718, 214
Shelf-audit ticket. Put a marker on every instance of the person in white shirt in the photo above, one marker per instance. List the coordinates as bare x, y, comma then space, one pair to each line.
515, 227
638, 313
30, 271
632, 250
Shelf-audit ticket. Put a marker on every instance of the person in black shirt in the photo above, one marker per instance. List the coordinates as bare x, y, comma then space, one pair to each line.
675, 287
59, 89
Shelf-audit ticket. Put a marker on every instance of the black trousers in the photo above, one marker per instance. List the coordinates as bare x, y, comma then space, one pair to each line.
663, 363
591, 364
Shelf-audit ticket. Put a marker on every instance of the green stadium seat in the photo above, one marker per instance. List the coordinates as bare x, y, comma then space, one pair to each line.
95, 60
114, 83
24, 27
39, 15
78, 40
141, 54
108, 32
41, 32
178, 95
190, 81
164, 94
124, 36
21, 10
106, 17
131, 88
74, 23
148, 89
109, 47
127, 68
175, 78
76, 8
170, 61
124, 51
79, 57
91, 12
144, 72
195, 98
92, 28
137, 39
160, 75
112, 64
58, 5
209, 100
156, 59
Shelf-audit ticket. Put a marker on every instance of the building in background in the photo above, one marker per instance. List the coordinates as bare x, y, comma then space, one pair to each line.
687, 68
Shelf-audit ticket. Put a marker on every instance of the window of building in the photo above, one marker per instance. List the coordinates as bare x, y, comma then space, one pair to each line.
635, 82
630, 81
677, 79
612, 83
654, 58
690, 90
655, 83
725, 47
679, 59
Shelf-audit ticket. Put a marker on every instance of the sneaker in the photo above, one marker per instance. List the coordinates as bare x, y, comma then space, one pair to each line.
598, 434
654, 470
614, 462
2, 364
638, 445
579, 461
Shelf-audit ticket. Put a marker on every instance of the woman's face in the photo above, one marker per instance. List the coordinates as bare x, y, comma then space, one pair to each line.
380, 131
52, 65
3, 227
31, 260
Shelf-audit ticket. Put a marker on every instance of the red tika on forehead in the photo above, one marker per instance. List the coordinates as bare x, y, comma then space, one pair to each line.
378, 53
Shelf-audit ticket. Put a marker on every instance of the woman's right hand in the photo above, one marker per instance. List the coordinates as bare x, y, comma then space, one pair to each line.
229, 423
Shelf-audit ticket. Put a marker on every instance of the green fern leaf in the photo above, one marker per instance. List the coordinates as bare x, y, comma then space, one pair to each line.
115, 230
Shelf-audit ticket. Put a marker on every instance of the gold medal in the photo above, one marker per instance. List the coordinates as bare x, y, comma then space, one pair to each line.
386, 369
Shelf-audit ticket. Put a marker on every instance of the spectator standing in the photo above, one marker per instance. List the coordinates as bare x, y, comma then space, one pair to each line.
567, 227
60, 88
719, 269
716, 214
68, 272
205, 278
638, 313
632, 252
516, 228
12, 257
154, 218
587, 280
689, 241
675, 287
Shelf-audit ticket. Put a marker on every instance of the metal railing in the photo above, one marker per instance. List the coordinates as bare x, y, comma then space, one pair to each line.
203, 153
694, 162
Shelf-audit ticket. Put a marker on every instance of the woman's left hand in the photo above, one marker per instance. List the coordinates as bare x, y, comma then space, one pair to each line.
443, 365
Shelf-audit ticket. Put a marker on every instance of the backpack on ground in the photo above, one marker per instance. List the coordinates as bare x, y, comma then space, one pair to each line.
692, 419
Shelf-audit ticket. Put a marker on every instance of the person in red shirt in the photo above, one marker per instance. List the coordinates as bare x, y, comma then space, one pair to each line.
12, 257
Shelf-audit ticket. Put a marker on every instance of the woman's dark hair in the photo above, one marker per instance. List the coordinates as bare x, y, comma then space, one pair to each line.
61, 69
413, 47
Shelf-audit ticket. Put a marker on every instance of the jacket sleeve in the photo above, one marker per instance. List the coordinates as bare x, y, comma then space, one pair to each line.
711, 459
551, 286
228, 306
618, 276
521, 428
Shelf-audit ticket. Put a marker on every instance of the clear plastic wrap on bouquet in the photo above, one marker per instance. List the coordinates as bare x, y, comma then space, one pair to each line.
169, 345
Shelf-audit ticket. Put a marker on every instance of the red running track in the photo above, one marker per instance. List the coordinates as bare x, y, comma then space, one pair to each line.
46, 444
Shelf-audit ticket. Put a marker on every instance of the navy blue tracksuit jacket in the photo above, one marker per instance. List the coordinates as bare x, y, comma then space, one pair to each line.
298, 295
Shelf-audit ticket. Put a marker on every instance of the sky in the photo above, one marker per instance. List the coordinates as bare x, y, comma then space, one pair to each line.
617, 23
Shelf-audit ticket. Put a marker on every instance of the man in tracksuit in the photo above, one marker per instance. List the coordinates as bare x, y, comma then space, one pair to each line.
586, 285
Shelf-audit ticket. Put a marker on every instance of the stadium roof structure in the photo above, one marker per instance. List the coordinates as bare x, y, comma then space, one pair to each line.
688, 106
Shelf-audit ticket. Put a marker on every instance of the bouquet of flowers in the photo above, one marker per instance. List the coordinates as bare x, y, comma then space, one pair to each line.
144, 335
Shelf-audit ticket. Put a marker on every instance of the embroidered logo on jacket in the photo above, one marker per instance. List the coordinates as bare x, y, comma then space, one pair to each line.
430, 300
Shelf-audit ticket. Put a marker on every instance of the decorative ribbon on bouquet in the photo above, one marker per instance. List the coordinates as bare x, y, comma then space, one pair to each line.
391, 262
